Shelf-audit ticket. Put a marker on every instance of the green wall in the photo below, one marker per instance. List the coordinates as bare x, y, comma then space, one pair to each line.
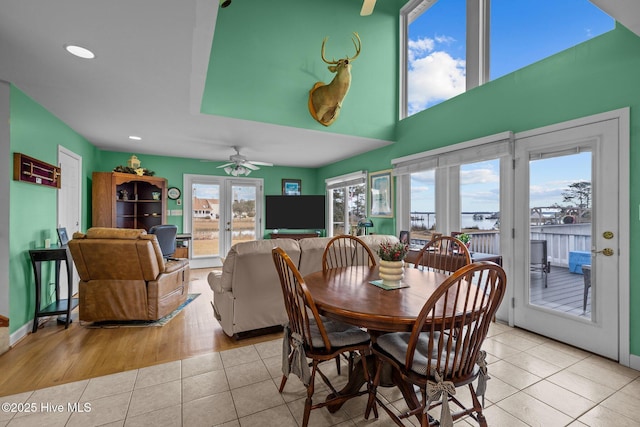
173, 169
33, 208
266, 75
597, 76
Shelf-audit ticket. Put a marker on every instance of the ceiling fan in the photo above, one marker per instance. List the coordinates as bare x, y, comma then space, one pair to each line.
239, 165
367, 7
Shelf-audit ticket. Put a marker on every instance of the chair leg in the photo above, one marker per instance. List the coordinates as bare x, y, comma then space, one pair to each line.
586, 294
310, 389
282, 383
371, 403
338, 364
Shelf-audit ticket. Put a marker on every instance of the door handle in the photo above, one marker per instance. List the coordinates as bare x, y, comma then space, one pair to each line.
605, 252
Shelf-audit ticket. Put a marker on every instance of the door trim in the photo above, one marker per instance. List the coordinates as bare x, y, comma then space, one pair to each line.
623, 119
77, 157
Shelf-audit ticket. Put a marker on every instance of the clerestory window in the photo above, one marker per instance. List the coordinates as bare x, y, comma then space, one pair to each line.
450, 46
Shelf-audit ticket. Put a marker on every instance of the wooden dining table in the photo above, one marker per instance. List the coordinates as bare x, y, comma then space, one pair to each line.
347, 294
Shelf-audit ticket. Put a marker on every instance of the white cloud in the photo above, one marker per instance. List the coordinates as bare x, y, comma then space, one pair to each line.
419, 48
434, 75
425, 177
478, 176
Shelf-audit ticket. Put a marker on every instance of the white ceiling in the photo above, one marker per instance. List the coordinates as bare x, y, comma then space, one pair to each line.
148, 76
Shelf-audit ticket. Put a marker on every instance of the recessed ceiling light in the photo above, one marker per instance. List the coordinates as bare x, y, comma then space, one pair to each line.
79, 51
135, 138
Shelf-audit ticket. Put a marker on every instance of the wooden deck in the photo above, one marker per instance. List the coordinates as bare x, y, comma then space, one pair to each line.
564, 291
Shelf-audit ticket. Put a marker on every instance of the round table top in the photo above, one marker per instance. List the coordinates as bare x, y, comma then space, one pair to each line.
346, 294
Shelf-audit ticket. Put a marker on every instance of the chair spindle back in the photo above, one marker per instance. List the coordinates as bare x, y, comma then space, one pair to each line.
346, 251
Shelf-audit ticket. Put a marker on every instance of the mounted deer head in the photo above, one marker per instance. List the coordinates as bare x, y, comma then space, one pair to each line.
325, 100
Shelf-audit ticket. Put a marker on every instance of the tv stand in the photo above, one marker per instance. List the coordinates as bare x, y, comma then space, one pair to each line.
295, 236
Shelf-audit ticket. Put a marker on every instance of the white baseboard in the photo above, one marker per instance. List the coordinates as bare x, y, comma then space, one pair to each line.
634, 362
20, 333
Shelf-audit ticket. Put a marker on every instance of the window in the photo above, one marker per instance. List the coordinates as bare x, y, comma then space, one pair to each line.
436, 51
446, 43
544, 27
459, 188
347, 196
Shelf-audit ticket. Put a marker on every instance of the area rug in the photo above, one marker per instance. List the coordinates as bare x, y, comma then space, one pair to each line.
143, 323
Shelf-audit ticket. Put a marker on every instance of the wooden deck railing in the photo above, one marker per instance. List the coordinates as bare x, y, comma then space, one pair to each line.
561, 239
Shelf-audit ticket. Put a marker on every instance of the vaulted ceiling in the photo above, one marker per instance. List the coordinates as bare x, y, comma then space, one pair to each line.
153, 56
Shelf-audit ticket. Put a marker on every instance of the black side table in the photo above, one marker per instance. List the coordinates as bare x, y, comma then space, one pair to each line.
57, 254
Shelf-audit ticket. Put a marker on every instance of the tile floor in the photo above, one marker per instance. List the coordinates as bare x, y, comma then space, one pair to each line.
534, 382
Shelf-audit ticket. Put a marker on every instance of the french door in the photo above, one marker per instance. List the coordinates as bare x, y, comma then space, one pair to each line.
568, 235
220, 212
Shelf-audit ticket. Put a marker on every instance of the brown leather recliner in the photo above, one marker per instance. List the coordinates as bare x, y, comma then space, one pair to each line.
123, 275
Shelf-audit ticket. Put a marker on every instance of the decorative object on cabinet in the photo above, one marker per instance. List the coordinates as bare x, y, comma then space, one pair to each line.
133, 162
133, 167
34, 171
173, 193
291, 187
123, 200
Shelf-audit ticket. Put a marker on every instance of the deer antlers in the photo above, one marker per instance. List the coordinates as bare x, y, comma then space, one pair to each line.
357, 46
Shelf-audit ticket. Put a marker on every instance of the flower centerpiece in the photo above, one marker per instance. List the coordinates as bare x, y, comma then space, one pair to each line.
393, 251
392, 262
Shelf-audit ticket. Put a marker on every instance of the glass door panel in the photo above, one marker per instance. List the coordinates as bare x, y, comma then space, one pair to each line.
243, 218
205, 219
338, 204
560, 233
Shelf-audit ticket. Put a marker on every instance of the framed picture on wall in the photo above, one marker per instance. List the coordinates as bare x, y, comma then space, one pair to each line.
381, 194
291, 187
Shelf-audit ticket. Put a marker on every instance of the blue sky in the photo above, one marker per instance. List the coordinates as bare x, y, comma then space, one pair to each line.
437, 72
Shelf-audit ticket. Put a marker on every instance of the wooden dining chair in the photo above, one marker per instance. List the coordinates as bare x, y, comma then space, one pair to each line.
346, 251
443, 350
309, 335
443, 254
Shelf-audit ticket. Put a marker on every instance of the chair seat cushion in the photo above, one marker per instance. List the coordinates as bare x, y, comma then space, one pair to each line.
340, 334
396, 344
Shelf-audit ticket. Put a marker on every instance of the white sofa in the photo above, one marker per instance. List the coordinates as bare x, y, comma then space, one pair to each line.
247, 297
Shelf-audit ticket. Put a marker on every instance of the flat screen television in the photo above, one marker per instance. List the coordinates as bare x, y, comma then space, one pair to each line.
295, 212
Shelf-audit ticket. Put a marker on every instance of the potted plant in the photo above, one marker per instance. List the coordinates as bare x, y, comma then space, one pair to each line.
392, 257
464, 238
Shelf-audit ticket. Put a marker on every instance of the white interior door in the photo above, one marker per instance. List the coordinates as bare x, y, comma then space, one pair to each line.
69, 205
579, 228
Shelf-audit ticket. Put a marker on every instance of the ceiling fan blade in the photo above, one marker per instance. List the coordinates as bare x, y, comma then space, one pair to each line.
260, 163
225, 165
367, 7
251, 166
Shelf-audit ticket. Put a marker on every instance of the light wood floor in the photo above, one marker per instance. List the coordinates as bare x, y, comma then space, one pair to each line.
55, 356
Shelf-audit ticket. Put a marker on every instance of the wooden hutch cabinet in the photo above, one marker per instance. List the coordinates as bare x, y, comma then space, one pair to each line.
123, 200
